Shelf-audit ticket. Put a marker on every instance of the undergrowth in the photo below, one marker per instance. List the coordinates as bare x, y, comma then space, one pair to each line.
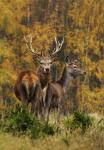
21, 122
79, 120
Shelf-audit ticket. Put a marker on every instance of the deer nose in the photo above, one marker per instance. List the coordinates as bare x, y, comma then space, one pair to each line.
47, 69
84, 72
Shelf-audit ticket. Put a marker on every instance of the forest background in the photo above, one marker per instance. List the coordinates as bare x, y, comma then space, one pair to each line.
81, 22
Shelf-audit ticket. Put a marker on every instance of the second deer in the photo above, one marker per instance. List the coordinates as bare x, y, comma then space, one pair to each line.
56, 91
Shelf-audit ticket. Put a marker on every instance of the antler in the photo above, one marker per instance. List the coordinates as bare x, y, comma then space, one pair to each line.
58, 46
29, 44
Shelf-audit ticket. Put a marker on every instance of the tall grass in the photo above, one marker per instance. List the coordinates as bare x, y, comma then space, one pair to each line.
78, 131
21, 122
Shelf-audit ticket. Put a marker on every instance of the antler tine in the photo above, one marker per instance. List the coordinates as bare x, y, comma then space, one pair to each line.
26, 42
25, 39
29, 44
56, 40
30, 36
58, 46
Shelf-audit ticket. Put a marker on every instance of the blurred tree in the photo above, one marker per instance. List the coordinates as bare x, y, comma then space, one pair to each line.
80, 22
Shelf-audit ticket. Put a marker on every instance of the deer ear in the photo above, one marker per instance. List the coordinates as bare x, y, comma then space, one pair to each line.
67, 58
54, 59
36, 58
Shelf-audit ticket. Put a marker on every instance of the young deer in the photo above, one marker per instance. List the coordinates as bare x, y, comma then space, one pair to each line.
31, 85
56, 91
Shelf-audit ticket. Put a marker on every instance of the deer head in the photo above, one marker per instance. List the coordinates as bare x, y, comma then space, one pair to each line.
73, 69
45, 62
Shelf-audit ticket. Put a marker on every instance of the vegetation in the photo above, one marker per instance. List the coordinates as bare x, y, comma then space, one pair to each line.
44, 19
77, 131
78, 120
20, 122
81, 22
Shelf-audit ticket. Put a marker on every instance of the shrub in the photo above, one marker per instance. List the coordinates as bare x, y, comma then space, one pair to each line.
20, 121
48, 129
41, 130
78, 120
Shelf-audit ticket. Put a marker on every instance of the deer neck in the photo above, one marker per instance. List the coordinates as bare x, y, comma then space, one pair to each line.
44, 77
65, 79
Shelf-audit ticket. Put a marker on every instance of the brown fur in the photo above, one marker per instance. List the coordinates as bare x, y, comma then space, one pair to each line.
29, 85
44, 77
28, 89
54, 98
56, 91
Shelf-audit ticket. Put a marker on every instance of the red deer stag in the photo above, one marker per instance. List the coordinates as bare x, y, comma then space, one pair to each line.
31, 86
56, 91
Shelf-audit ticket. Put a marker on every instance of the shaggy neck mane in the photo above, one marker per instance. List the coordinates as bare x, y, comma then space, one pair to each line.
44, 77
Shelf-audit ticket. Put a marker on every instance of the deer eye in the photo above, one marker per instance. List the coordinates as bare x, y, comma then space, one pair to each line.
69, 64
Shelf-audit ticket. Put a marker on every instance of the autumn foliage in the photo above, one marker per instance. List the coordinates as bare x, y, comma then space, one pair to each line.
81, 22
